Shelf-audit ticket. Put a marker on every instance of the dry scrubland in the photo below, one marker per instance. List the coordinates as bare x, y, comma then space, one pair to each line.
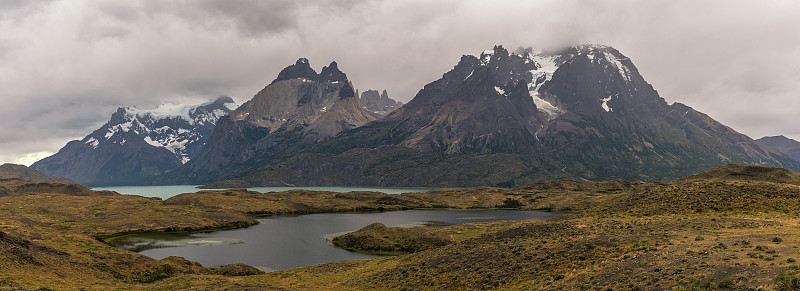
732, 227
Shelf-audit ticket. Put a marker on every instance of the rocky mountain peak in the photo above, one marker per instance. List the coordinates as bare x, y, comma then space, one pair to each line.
496, 54
599, 80
300, 69
331, 73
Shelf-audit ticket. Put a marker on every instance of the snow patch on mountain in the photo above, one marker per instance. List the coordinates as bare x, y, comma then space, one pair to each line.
486, 56
605, 104
92, 142
623, 70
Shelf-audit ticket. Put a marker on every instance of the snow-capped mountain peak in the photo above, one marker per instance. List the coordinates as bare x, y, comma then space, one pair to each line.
175, 127
533, 67
538, 67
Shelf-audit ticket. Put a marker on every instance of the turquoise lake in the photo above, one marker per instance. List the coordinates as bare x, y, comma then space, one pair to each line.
165, 192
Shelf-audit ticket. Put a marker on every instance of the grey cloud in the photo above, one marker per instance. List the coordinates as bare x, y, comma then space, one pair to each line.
66, 65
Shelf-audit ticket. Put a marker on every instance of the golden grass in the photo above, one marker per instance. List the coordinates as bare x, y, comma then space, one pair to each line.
729, 228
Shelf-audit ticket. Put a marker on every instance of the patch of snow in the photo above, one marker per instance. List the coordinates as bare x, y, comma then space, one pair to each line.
470, 75
151, 142
605, 104
335, 82
125, 127
324, 109
176, 145
616, 62
501, 91
549, 109
486, 56
93, 142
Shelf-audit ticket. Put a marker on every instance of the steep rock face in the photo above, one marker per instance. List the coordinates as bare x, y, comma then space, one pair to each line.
783, 144
511, 118
136, 144
298, 109
378, 103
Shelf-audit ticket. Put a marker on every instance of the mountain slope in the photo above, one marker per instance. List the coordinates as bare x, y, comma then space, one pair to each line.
783, 144
299, 108
137, 143
511, 118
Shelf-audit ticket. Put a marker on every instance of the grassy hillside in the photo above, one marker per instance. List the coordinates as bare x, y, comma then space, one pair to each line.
714, 230
14, 171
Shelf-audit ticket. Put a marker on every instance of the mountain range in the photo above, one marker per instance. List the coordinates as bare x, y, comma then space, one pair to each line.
136, 144
506, 119
499, 119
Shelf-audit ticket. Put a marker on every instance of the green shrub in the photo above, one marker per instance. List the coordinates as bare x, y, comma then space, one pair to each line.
788, 280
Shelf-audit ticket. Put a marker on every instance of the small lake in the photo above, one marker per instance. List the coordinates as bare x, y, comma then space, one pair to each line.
165, 192
285, 242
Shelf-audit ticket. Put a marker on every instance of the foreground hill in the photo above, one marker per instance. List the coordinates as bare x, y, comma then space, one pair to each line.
136, 144
713, 230
14, 171
507, 119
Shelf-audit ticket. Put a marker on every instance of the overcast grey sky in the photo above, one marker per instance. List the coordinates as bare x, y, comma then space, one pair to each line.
65, 66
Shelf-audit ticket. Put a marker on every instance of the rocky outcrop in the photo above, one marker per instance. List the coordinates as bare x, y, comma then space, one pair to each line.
378, 103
